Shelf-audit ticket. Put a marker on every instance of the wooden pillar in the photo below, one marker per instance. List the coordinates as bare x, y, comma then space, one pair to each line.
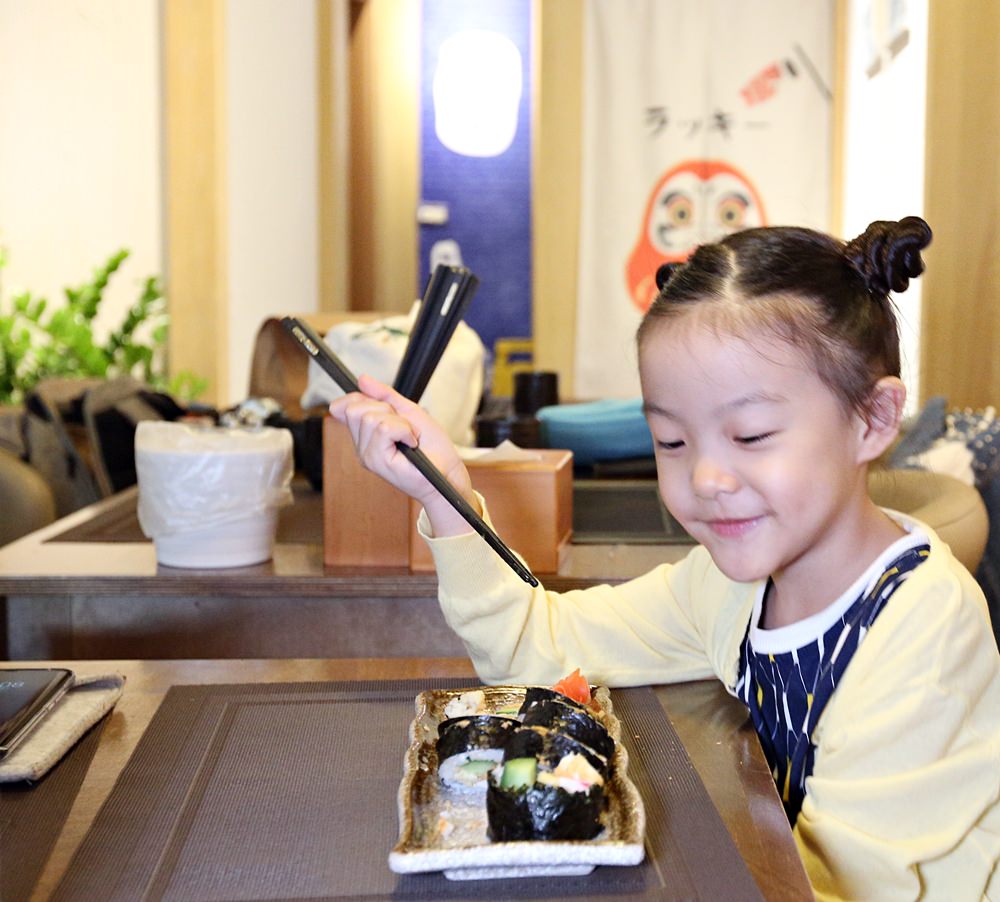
195, 210
385, 154
558, 67
960, 331
333, 44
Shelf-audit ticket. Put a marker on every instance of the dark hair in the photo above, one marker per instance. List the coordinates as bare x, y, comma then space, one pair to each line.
829, 298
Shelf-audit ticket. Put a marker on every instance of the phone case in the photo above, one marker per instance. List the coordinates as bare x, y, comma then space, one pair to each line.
26, 696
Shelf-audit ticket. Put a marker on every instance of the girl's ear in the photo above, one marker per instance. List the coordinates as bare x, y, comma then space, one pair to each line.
883, 416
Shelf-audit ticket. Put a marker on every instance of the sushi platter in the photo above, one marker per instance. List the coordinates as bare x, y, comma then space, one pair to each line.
516, 781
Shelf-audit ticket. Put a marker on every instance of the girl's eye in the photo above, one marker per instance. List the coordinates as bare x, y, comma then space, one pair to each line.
753, 439
670, 446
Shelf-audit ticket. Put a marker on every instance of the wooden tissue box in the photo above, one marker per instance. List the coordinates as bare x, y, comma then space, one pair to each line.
367, 522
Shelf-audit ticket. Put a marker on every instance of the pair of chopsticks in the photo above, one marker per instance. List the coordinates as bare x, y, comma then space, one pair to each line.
313, 345
449, 291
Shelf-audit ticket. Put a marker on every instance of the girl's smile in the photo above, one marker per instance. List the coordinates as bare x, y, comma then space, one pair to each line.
733, 529
758, 459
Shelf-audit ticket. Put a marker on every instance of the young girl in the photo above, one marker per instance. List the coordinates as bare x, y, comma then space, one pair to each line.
769, 366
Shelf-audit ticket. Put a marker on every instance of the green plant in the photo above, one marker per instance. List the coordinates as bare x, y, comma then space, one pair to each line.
38, 342
187, 386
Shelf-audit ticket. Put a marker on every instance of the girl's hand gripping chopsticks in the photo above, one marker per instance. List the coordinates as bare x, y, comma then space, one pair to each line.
377, 418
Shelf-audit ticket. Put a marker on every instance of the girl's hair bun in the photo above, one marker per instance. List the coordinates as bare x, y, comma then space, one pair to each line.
664, 273
887, 255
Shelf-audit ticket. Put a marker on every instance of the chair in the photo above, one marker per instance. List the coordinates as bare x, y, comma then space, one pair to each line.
954, 510
25, 498
56, 442
111, 411
279, 369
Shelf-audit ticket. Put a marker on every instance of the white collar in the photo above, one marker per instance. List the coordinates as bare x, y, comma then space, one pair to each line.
809, 629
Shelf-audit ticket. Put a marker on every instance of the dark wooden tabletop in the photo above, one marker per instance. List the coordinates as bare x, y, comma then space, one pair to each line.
101, 550
712, 726
89, 586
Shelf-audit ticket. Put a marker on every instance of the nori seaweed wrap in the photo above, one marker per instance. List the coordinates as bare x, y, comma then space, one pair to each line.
546, 805
543, 812
468, 747
533, 695
572, 721
550, 747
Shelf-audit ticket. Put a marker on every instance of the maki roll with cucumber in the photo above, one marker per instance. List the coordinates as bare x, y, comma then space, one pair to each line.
550, 746
469, 747
549, 787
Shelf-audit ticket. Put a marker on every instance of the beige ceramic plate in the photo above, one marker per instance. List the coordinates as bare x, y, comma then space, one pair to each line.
444, 830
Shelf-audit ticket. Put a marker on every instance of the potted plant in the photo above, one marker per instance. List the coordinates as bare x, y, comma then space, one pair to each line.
39, 341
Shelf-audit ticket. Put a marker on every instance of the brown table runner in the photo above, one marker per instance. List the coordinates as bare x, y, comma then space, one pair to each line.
288, 791
32, 815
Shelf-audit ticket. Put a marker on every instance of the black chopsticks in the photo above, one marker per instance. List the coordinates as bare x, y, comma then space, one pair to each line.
449, 291
334, 367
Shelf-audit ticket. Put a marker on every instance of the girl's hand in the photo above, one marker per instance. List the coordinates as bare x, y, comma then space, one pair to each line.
377, 418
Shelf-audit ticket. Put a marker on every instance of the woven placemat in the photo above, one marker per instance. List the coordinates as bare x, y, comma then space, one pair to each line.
288, 791
32, 816
299, 523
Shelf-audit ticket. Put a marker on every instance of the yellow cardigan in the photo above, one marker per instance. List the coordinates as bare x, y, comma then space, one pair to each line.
903, 799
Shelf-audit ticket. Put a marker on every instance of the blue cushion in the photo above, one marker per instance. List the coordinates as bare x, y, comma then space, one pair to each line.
597, 430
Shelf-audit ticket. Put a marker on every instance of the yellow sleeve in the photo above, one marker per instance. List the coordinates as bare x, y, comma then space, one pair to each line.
677, 622
903, 799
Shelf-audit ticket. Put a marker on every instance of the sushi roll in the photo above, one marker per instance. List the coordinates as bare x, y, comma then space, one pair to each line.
550, 746
535, 695
469, 747
572, 721
549, 787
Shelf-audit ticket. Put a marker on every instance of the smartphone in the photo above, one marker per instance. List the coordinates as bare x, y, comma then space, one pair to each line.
26, 696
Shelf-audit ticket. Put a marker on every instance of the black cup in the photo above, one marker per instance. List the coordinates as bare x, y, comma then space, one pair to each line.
490, 431
524, 432
533, 391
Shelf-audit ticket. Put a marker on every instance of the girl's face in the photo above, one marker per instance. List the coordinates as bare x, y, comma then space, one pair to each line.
756, 457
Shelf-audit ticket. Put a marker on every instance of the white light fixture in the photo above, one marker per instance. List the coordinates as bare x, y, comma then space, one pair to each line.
477, 91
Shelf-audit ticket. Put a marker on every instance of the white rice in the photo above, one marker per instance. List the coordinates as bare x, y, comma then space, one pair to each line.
452, 774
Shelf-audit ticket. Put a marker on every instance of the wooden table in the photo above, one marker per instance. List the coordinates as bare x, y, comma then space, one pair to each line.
89, 586
712, 726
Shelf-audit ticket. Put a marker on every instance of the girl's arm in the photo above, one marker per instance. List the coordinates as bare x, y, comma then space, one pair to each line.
378, 418
677, 622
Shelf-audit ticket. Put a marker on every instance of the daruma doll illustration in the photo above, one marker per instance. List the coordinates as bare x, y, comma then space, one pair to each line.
694, 202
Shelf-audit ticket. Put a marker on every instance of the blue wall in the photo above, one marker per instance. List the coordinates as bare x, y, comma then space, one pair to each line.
489, 198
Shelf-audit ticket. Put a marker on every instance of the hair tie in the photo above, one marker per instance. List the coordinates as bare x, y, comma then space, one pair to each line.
665, 273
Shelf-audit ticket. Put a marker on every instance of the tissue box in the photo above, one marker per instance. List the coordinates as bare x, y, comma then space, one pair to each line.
367, 522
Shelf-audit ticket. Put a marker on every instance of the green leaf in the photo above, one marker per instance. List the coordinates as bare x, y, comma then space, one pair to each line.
187, 386
37, 342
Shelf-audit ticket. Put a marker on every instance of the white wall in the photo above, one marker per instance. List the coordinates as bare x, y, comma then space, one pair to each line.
80, 158
81, 155
273, 262
885, 141
80, 152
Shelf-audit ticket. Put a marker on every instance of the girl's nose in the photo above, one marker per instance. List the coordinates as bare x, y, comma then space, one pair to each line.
710, 478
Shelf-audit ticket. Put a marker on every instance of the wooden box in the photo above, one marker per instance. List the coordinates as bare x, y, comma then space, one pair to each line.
367, 522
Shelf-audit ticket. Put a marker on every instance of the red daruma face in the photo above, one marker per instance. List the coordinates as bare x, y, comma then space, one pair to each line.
695, 202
